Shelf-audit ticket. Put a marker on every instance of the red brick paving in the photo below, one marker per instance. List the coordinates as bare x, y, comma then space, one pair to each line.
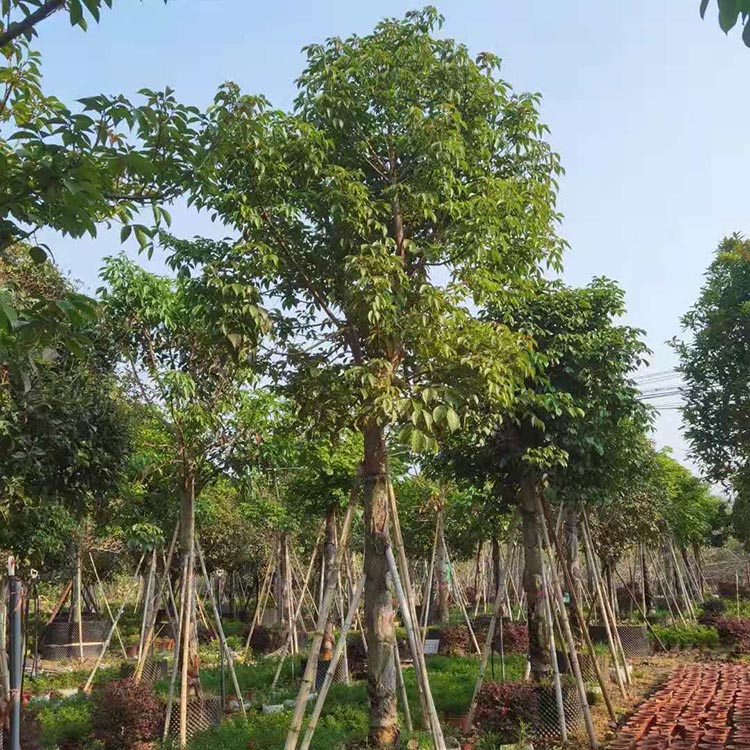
701, 707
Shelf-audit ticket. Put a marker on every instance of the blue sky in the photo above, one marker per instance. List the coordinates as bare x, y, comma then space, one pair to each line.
644, 100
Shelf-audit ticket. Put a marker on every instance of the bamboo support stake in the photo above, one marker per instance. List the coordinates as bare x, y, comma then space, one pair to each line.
77, 600
262, 595
604, 609
287, 644
190, 595
220, 629
308, 678
664, 583
487, 650
553, 657
642, 613
681, 582
177, 646
420, 667
107, 607
666, 599
544, 522
428, 595
418, 654
147, 606
337, 652
460, 598
151, 625
402, 689
105, 645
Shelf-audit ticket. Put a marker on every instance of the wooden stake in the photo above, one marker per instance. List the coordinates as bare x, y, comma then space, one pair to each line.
563, 614
177, 646
259, 607
428, 594
105, 645
220, 629
418, 654
487, 650
107, 607
603, 607
553, 658
308, 678
337, 652
643, 614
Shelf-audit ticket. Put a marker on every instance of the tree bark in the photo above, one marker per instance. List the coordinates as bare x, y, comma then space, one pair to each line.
574, 563
495, 563
379, 614
541, 668
329, 556
646, 583
441, 575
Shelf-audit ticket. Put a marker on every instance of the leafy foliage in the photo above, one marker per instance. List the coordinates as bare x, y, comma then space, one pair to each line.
503, 707
714, 361
730, 12
125, 714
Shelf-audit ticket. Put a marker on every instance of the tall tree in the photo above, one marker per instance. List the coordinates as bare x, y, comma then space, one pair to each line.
408, 181
561, 428
64, 428
714, 363
188, 344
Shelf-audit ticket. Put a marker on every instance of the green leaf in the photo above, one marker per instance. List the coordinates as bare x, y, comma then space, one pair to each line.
454, 421
704, 5
729, 11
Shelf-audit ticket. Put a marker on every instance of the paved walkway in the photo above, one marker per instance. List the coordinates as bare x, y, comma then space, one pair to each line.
701, 707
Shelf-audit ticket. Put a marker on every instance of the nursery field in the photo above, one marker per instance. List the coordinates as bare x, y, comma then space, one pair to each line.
339, 458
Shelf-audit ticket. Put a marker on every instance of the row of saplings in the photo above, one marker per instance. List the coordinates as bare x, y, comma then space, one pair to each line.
126, 716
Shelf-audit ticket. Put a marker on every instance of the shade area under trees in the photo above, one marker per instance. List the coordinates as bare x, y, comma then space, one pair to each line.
369, 424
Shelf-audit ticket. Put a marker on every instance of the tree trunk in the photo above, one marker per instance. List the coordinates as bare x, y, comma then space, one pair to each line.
541, 668
574, 564
441, 575
495, 565
699, 569
280, 584
189, 651
379, 614
329, 556
646, 583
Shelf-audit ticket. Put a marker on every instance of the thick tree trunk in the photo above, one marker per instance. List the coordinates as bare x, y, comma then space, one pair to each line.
441, 575
541, 668
329, 556
574, 564
379, 614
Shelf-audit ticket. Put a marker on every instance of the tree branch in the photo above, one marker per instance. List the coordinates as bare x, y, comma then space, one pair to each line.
18, 28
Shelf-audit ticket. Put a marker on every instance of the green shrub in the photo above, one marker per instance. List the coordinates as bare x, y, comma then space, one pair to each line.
697, 636
64, 723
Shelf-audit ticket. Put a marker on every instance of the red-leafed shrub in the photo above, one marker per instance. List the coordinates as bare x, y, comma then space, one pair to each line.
734, 631
515, 637
125, 715
503, 707
455, 641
